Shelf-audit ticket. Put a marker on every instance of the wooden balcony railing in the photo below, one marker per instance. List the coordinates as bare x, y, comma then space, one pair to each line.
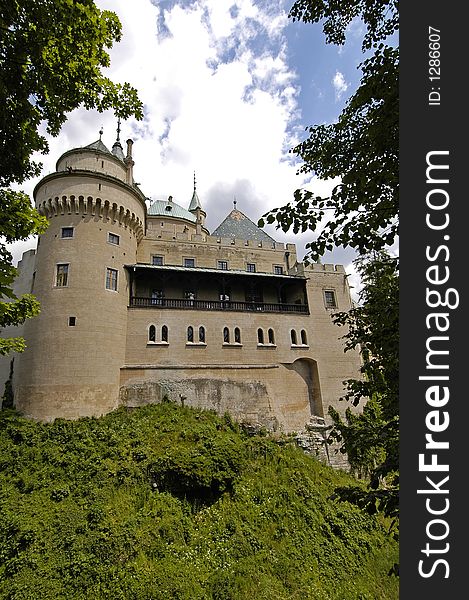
178, 303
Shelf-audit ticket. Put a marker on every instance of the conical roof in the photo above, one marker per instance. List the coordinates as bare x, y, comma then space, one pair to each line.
98, 145
195, 202
237, 225
117, 150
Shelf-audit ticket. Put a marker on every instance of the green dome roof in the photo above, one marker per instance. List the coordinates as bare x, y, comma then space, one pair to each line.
168, 208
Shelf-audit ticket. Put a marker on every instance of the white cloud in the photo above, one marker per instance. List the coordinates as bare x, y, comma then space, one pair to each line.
220, 98
340, 85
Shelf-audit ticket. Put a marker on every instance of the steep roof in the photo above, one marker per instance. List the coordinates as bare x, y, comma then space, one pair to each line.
195, 202
168, 208
98, 145
117, 150
237, 225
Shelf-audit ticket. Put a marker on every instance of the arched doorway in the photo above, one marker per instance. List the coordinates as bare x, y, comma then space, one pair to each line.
307, 368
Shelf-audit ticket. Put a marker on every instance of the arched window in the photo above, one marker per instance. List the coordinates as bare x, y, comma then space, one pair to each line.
260, 336
293, 337
271, 336
190, 334
164, 333
237, 333
202, 334
152, 333
226, 335
304, 339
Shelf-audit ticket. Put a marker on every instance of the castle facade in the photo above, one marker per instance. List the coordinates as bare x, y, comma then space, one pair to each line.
140, 302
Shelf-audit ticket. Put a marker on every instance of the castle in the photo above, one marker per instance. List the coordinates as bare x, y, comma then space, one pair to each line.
140, 302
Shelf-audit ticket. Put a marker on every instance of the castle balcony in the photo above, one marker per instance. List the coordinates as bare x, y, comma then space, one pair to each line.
194, 288
178, 303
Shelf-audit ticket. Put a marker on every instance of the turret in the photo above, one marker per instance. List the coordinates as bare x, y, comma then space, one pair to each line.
76, 346
196, 209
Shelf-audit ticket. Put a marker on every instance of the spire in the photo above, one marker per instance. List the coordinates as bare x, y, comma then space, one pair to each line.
117, 147
195, 202
101, 132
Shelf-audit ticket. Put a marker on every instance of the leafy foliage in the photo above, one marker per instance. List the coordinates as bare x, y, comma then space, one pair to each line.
361, 148
18, 220
380, 17
51, 56
169, 502
371, 439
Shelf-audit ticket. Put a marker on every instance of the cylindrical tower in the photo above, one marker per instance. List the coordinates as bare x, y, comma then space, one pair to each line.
76, 346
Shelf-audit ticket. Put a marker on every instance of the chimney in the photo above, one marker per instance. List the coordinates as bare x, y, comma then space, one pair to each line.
129, 163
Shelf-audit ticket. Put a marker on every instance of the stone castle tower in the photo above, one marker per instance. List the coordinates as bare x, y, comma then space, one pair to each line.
138, 303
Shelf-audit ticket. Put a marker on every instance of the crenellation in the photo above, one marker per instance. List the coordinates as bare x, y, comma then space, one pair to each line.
262, 344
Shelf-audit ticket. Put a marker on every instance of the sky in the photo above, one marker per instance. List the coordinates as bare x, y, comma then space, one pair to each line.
228, 88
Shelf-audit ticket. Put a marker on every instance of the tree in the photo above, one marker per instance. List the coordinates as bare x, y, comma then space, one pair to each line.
362, 212
51, 58
371, 438
361, 148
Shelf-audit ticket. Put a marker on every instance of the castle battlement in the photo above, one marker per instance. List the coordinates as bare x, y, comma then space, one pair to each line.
139, 303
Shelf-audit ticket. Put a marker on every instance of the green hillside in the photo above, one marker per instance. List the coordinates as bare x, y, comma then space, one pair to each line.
167, 502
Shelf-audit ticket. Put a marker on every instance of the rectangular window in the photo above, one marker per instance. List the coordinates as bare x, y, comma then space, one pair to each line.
157, 260
112, 238
72, 321
251, 268
67, 232
278, 270
329, 299
222, 264
189, 262
61, 278
111, 279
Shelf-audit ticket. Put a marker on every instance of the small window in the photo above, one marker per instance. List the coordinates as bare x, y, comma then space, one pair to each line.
202, 334
251, 268
164, 333
329, 299
72, 321
190, 334
294, 340
271, 336
189, 262
237, 335
67, 232
157, 260
226, 335
112, 238
260, 336
222, 264
304, 339
111, 279
152, 333
278, 270
61, 279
